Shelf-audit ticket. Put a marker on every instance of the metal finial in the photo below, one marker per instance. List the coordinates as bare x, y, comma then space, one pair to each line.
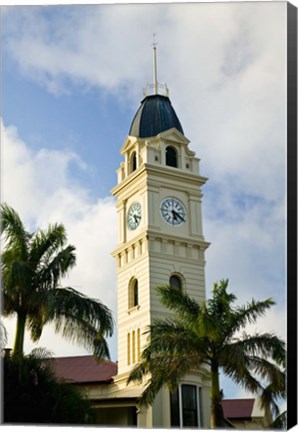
154, 65
154, 41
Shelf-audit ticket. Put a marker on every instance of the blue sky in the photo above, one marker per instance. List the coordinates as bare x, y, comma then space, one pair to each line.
72, 80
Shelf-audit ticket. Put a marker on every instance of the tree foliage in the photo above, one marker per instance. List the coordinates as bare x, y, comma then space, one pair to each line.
212, 335
33, 265
33, 394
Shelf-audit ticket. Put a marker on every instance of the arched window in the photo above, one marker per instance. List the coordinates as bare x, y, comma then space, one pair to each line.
175, 282
133, 162
171, 157
133, 294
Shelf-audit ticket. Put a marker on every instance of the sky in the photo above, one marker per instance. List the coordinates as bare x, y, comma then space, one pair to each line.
72, 80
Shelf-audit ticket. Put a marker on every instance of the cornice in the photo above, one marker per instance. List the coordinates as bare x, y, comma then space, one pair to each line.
128, 244
129, 179
169, 173
175, 173
152, 235
146, 235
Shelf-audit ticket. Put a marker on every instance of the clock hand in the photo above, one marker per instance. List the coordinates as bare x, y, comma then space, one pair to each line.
175, 214
183, 220
136, 217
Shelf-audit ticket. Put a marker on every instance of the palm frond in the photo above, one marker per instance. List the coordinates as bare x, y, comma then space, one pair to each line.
35, 321
13, 231
83, 333
265, 345
248, 314
237, 369
178, 301
269, 401
270, 372
41, 353
221, 300
164, 370
8, 306
47, 242
138, 373
151, 390
52, 269
80, 319
169, 336
280, 422
15, 272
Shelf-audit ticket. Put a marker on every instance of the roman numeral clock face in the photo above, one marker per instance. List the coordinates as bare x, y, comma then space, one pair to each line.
173, 211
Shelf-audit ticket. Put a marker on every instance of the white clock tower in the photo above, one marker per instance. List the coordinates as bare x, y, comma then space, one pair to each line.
160, 240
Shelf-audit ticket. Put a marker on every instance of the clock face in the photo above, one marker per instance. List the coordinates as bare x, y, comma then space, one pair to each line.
134, 215
173, 211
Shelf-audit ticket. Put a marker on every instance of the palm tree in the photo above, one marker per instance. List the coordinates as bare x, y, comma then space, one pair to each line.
33, 394
208, 334
32, 267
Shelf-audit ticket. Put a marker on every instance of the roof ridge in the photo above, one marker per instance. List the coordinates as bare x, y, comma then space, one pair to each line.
84, 356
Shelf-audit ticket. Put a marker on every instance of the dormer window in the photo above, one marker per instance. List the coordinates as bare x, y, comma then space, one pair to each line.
171, 156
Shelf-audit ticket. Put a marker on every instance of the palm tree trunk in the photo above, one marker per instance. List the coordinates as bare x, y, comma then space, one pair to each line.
20, 333
217, 416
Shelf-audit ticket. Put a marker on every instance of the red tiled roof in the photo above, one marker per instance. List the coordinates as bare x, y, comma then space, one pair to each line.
237, 408
84, 369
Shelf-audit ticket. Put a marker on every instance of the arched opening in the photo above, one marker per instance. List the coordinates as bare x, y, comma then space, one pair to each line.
133, 294
133, 162
171, 157
175, 282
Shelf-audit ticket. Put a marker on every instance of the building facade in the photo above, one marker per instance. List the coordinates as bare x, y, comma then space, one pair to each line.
160, 241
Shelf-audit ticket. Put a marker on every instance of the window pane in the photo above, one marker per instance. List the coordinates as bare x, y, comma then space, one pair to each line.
175, 282
189, 405
171, 157
135, 294
134, 161
175, 415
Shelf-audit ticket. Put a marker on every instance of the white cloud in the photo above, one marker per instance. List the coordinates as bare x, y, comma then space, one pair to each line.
39, 186
224, 63
225, 67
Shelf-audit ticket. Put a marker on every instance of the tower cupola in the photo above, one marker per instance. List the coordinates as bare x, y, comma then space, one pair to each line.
155, 115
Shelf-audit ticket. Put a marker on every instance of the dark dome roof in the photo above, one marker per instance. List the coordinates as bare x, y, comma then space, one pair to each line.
155, 115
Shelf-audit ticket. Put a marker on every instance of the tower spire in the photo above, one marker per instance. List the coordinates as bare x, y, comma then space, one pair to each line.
156, 86
155, 82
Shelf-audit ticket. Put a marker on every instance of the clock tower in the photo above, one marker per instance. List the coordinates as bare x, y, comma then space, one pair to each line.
160, 238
